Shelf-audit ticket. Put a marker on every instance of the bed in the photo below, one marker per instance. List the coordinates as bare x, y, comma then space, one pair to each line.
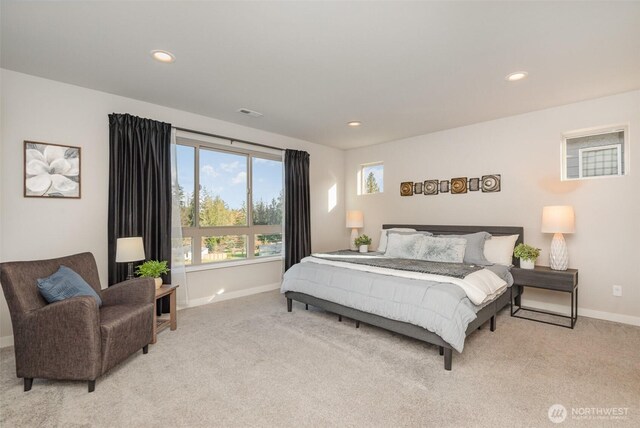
314, 292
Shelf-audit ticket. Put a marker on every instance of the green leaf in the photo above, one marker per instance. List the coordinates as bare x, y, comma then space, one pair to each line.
526, 252
152, 269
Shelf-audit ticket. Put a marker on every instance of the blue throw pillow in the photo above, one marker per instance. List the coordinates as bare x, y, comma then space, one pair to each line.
64, 284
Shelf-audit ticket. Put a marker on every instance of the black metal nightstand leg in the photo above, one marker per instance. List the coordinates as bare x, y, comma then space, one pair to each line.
518, 298
574, 313
576, 303
572, 319
511, 299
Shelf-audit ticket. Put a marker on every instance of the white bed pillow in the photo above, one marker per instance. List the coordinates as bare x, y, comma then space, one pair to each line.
442, 249
382, 244
404, 246
499, 249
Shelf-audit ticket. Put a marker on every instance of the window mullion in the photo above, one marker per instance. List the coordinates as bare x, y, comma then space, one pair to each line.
196, 190
251, 242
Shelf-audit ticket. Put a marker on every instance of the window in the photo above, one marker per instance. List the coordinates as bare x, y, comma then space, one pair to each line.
595, 153
231, 202
372, 178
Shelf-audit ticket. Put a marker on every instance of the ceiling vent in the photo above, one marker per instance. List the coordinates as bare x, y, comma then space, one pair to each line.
249, 112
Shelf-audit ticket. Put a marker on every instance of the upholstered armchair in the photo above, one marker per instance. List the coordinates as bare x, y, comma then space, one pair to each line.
73, 339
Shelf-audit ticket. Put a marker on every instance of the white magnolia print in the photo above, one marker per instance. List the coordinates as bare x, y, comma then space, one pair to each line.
52, 170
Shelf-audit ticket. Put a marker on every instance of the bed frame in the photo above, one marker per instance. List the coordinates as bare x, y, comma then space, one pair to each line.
487, 313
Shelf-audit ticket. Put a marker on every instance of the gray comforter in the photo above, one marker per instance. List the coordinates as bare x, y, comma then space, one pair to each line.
454, 270
441, 308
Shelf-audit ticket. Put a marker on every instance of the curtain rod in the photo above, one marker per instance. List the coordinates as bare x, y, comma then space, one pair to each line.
227, 138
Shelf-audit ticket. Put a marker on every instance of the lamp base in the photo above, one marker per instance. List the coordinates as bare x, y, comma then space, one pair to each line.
130, 271
559, 256
354, 235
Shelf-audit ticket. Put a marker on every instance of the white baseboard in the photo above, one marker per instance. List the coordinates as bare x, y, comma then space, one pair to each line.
6, 341
230, 295
583, 312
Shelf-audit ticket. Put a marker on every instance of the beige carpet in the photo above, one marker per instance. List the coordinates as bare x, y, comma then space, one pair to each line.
247, 362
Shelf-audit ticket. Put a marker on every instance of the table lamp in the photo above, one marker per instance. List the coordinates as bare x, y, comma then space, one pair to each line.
355, 220
129, 250
558, 219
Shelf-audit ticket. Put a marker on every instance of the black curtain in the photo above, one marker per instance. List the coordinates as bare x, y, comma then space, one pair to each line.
139, 189
297, 227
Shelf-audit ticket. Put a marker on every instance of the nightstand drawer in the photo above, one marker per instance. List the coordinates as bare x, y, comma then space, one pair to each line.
544, 277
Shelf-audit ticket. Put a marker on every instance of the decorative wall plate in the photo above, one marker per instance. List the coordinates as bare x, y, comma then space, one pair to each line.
474, 184
459, 185
406, 188
491, 183
431, 187
444, 186
417, 188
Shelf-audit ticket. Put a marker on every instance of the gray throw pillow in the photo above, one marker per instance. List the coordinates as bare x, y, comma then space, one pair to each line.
413, 232
382, 243
404, 246
64, 284
474, 252
442, 249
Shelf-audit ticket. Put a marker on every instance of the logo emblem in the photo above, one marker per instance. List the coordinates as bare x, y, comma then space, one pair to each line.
557, 413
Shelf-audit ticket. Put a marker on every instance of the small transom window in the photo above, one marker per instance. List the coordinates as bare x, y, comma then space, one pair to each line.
372, 178
598, 153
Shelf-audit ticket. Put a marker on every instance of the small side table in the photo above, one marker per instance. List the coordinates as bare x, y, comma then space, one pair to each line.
548, 279
160, 323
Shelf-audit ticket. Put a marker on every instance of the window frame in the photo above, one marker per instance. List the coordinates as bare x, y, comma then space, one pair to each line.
597, 148
363, 179
623, 155
197, 232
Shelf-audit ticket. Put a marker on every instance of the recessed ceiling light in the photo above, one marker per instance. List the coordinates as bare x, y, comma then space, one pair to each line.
354, 123
163, 56
518, 75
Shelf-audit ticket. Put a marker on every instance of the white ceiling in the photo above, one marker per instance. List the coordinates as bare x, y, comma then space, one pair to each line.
402, 68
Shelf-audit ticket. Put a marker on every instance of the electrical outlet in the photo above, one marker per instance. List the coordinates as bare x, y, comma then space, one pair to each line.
617, 290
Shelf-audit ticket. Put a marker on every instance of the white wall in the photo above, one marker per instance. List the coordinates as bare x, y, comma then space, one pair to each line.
48, 111
525, 150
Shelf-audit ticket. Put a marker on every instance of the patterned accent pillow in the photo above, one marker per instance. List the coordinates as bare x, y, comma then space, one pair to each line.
404, 246
450, 250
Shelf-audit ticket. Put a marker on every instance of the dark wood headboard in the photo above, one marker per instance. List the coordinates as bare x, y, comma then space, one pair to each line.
461, 230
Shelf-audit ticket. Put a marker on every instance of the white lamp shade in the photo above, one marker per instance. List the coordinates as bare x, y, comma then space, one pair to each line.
129, 250
558, 219
355, 219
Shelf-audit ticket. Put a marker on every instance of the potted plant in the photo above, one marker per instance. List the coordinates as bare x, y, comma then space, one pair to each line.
153, 269
363, 242
527, 255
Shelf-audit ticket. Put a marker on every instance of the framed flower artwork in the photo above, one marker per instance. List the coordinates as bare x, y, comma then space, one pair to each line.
51, 170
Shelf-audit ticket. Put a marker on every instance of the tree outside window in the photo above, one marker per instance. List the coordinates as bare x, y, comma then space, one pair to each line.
372, 178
